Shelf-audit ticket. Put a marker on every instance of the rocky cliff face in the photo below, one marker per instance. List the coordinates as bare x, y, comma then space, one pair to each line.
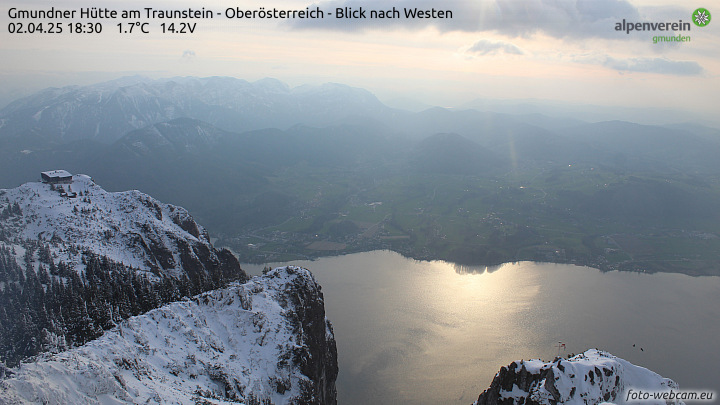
75, 260
592, 377
128, 227
264, 341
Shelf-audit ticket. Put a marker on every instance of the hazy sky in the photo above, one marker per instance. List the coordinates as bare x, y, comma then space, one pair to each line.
565, 50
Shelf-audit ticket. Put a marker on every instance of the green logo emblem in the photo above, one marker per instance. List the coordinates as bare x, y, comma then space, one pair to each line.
701, 17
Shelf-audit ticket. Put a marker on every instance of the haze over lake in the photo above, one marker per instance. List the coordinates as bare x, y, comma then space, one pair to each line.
434, 332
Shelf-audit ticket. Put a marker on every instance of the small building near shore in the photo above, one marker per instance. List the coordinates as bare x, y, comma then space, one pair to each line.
56, 177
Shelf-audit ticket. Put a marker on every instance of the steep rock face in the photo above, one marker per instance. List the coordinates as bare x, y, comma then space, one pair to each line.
267, 340
128, 227
592, 377
76, 260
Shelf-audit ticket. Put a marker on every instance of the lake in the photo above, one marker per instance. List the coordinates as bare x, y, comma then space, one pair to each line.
418, 332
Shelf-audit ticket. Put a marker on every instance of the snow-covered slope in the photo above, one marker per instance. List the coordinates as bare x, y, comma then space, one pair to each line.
592, 377
267, 339
126, 227
106, 111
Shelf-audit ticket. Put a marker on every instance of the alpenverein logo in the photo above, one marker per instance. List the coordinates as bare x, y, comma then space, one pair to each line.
701, 17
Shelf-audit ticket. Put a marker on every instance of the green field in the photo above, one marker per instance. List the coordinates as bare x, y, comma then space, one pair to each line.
546, 214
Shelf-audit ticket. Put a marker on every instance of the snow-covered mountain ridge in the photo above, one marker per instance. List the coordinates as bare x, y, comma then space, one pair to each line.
593, 377
106, 111
75, 260
265, 340
127, 227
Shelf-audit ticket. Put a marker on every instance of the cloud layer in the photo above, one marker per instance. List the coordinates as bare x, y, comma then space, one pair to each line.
486, 47
513, 18
655, 65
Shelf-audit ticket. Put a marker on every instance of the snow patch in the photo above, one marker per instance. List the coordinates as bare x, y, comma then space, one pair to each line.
236, 344
592, 377
128, 227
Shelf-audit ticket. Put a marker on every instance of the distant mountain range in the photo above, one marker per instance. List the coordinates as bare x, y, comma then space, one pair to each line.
245, 157
107, 111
